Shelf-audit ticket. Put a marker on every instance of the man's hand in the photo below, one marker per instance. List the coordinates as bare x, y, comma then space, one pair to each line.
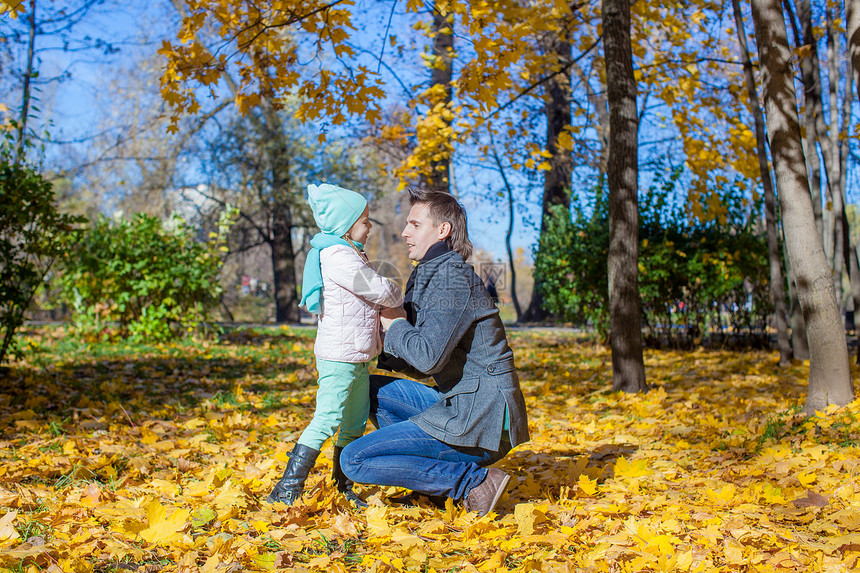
389, 315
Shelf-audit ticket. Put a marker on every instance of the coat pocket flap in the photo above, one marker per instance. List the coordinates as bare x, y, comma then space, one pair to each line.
464, 386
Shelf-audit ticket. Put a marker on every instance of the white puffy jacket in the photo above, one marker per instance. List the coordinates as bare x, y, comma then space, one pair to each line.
353, 293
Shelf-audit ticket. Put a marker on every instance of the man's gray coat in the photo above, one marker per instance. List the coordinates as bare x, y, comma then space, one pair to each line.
459, 339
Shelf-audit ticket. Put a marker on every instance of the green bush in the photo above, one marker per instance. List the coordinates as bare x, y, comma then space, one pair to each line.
697, 275
33, 235
570, 265
144, 280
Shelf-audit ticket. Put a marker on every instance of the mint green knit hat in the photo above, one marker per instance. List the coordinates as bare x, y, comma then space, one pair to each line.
335, 209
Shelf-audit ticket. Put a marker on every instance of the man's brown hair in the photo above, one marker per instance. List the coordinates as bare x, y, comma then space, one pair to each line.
444, 208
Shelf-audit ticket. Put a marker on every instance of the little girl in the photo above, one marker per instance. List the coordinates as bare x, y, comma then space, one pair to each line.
342, 287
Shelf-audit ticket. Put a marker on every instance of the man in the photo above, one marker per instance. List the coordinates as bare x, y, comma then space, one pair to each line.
439, 440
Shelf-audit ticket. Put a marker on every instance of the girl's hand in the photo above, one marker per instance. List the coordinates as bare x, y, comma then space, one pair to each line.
389, 315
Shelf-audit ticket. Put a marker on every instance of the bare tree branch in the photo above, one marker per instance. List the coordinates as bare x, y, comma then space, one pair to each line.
545, 79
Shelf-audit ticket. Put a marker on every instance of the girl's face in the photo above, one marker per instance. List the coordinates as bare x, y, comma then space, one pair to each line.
360, 230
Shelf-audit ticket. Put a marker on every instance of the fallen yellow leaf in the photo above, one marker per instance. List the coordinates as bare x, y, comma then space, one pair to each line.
161, 527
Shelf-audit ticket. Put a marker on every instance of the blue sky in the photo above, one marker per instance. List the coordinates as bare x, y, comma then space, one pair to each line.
75, 105
71, 105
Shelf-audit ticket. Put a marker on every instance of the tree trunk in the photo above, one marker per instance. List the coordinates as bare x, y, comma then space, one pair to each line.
777, 290
835, 175
510, 232
283, 267
854, 274
514, 297
28, 76
556, 183
441, 75
849, 248
799, 341
847, 120
598, 102
812, 89
278, 161
628, 367
809, 74
829, 376
852, 8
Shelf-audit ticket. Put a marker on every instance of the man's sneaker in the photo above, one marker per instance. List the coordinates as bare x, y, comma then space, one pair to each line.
485, 496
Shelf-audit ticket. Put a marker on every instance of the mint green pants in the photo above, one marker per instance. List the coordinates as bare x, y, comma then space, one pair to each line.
343, 401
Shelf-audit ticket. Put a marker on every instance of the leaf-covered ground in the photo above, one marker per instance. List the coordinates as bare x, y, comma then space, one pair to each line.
116, 458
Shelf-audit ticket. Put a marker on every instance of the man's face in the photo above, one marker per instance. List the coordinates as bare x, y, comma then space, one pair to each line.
420, 232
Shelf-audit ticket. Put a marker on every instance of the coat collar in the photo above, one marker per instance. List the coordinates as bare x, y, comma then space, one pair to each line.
431, 264
436, 250
426, 268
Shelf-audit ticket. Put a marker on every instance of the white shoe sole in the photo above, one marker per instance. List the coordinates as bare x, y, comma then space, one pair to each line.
499, 493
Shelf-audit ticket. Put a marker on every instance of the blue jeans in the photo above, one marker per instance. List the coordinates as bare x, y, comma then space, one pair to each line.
401, 454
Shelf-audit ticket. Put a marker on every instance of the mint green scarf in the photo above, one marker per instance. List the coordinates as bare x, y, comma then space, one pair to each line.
312, 281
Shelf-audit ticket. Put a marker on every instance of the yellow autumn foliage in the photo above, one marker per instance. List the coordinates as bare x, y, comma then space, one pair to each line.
158, 459
13, 7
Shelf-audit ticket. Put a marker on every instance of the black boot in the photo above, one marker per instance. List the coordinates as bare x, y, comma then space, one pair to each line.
290, 488
344, 484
